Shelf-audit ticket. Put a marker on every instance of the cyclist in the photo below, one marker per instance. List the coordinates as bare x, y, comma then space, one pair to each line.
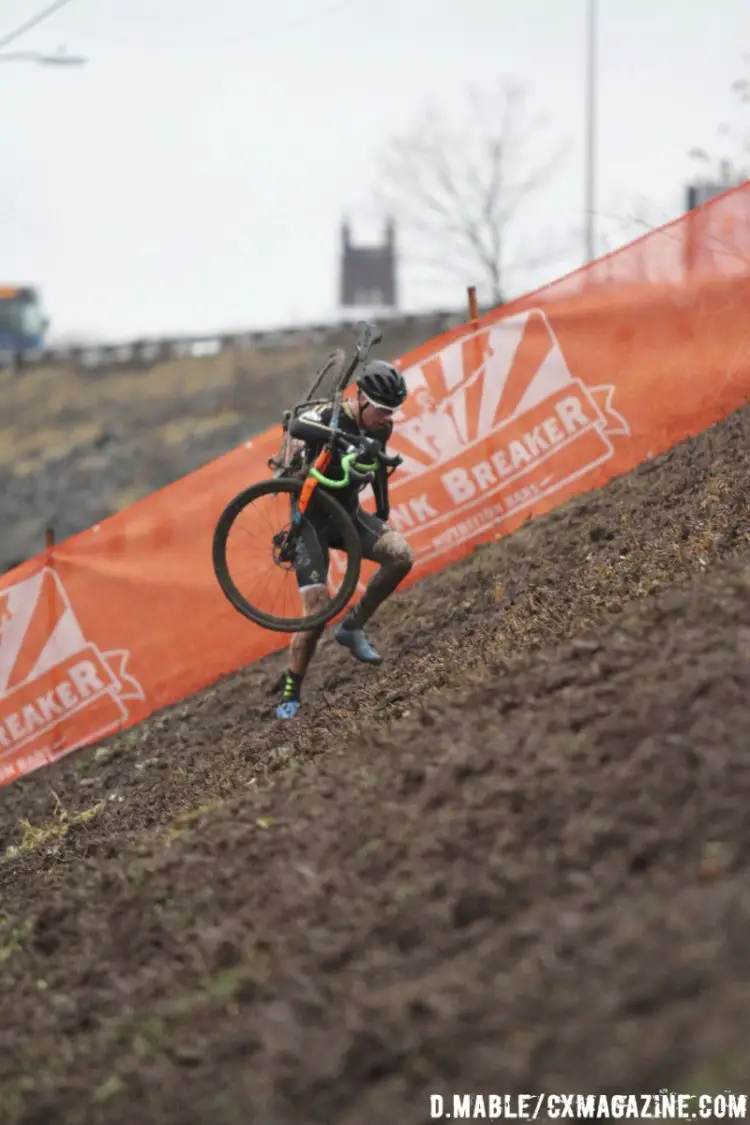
364, 422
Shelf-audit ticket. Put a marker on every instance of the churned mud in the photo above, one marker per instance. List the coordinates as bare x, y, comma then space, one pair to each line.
514, 858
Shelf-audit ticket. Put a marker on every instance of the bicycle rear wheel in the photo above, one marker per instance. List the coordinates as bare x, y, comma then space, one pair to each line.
327, 380
263, 513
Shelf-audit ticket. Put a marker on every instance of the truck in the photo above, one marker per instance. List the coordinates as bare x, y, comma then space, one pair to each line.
23, 324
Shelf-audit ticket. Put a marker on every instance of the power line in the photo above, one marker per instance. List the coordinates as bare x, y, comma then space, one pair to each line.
293, 25
37, 19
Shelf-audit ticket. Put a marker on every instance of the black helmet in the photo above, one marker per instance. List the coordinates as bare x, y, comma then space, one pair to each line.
382, 384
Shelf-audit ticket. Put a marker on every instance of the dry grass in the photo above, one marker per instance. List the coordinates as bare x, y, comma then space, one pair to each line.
46, 409
178, 430
49, 411
191, 817
13, 935
28, 446
34, 837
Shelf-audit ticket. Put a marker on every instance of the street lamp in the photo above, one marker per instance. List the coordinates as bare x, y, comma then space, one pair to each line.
60, 59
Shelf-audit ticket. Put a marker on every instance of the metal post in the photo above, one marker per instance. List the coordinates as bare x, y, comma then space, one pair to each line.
590, 118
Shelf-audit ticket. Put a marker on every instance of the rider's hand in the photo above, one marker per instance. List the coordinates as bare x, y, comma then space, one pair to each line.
370, 449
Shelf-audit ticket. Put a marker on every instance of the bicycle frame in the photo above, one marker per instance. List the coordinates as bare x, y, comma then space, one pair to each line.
316, 475
321, 463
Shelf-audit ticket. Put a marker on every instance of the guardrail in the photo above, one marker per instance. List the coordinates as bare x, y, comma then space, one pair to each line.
146, 352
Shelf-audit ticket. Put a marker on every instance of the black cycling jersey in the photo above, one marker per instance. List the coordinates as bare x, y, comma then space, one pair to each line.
313, 428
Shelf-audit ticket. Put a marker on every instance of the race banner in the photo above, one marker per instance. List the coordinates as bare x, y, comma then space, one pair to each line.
494, 423
57, 689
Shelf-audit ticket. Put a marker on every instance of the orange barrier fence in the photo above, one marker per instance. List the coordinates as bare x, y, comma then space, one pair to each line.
508, 416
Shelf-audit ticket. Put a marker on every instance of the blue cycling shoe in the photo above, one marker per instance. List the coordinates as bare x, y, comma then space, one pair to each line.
288, 709
358, 645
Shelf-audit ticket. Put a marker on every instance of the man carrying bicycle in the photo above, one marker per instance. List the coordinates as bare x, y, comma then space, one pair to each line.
364, 423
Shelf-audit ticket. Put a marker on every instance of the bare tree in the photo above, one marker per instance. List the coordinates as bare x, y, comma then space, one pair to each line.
457, 188
725, 171
732, 167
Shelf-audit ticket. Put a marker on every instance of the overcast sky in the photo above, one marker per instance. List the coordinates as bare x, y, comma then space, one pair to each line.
193, 175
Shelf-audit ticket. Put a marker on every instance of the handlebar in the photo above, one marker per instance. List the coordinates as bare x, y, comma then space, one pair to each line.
363, 473
391, 462
353, 470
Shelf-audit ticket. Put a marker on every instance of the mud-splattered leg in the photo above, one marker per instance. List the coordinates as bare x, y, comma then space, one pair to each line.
393, 553
311, 565
301, 652
383, 545
303, 645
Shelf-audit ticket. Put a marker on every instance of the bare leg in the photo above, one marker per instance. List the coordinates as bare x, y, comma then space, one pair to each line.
394, 554
303, 645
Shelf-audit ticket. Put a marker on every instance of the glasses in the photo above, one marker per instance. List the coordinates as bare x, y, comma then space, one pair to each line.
376, 406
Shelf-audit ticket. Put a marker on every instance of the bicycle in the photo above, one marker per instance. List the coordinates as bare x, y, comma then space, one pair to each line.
298, 483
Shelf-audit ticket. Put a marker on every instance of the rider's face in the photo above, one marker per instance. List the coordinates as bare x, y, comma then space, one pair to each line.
372, 416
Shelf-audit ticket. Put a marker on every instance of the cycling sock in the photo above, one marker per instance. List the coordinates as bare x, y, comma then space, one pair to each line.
292, 687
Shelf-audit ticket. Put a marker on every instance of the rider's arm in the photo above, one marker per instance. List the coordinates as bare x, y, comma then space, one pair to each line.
380, 490
312, 426
380, 482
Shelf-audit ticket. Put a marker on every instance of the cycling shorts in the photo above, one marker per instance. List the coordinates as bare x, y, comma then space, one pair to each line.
315, 542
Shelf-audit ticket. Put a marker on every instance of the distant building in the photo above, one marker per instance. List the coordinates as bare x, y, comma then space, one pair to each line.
703, 190
368, 272
713, 240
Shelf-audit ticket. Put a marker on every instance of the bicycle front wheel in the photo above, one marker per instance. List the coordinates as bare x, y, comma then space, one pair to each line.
254, 558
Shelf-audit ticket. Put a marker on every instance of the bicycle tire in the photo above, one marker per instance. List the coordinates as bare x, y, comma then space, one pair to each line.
332, 510
330, 373
343, 381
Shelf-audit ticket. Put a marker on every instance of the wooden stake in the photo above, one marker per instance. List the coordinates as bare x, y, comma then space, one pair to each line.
473, 311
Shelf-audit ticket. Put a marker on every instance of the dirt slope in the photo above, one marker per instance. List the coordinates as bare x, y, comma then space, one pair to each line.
519, 863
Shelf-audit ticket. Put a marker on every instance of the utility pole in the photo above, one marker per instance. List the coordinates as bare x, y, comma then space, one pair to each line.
590, 117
